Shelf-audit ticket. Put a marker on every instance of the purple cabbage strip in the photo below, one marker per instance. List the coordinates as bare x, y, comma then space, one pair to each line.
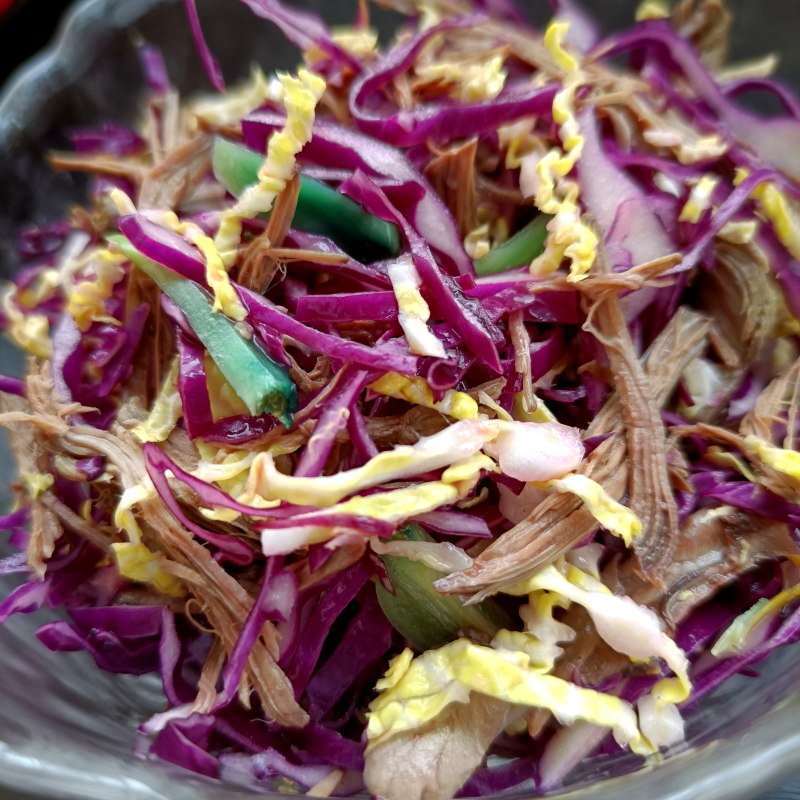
186, 742
154, 69
112, 356
498, 300
275, 602
193, 386
209, 494
703, 626
622, 158
74, 578
267, 765
504, 9
232, 549
378, 306
712, 672
233, 431
315, 744
606, 191
360, 648
333, 419
125, 342
25, 599
267, 317
318, 612
381, 306
443, 122
121, 639
546, 353
170, 650
197, 414
343, 148
784, 266
210, 64
365, 274
776, 140
157, 461
108, 138
785, 95
14, 519
43, 241
724, 214
713, 485
366, 526
487, 781
11, 565
303, 29
466, 317
163, 246
359, 436
66, 341
584, 32
454, 523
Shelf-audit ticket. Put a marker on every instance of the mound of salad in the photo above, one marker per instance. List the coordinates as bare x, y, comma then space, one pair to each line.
427, 418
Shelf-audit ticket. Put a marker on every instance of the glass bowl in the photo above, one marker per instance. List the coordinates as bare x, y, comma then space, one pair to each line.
67, 729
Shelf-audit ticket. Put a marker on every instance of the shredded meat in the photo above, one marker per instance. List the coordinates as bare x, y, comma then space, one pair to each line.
312, 380
707, 24
649, 490
222, 598
407, 428
207, 683
781, 397
714, 547
521, 342
452, 174
741, 296
31, 451
172, 180
260, 265
560, 522
117, 167
77, 524
163, 128
157, 348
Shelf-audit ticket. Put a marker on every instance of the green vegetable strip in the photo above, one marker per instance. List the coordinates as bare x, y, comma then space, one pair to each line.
262, 385
426, 618
516, 251
320, 209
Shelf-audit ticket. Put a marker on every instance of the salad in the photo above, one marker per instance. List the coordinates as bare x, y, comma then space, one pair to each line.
426, 417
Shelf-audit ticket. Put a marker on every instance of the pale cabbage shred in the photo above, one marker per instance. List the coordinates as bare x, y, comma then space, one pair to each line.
516, 666
555, 194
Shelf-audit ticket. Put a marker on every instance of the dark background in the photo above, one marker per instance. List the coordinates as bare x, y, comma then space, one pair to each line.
761, 26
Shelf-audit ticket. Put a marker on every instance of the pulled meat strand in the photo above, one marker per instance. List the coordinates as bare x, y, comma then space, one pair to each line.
452, 174
554, 528
173, 179
260, 264
649, 491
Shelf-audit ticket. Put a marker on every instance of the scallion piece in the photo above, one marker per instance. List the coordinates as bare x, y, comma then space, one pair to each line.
262, 385
518, 250
320, 209
417, 611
